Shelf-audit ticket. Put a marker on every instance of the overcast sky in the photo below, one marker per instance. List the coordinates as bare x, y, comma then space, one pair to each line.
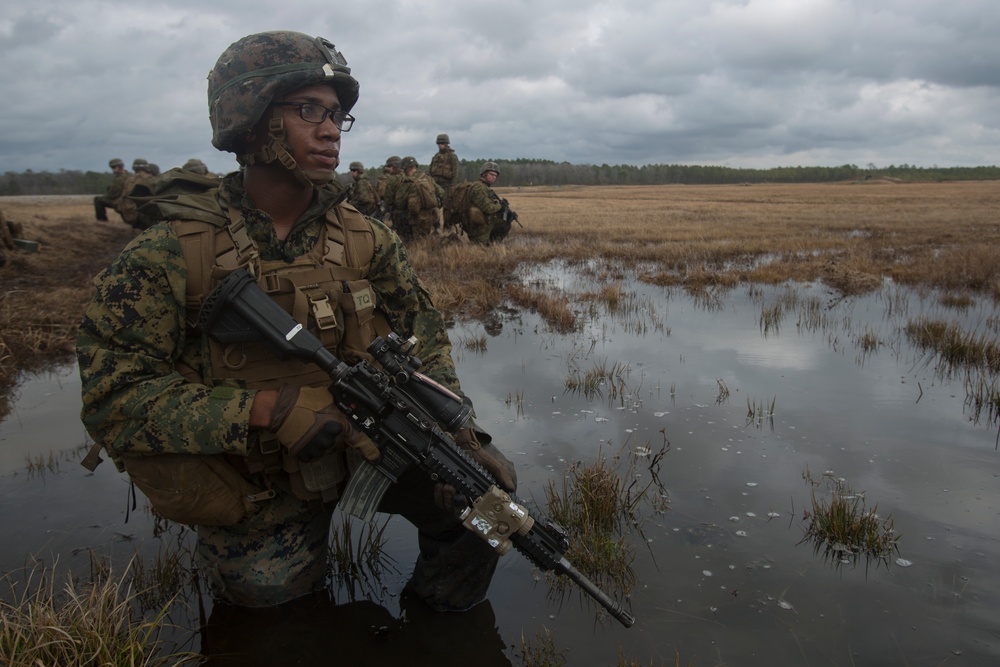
743, 83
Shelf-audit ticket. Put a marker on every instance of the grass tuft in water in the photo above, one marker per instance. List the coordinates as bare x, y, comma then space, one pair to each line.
359, 564
843, 527
98, 622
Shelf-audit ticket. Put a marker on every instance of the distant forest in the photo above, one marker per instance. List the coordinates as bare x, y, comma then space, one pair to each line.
524, 172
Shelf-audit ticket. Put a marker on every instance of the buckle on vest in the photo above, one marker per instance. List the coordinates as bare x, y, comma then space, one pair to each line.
271, 283
323, 312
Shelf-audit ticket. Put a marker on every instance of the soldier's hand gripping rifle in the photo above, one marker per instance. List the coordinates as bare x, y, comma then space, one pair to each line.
508, 214
408, 416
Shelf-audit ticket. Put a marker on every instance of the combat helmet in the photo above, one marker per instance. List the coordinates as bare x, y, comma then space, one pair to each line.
443, 139
116, 162
409, 161
140, 163
357, 166
195, 165
394, 161
258, 69
490, 166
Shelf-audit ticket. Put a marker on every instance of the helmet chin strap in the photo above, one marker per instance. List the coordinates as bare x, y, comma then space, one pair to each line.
277, 150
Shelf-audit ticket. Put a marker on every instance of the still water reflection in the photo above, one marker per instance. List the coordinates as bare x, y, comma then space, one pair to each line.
721, 578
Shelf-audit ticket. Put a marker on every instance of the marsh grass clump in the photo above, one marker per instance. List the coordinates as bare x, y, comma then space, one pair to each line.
97, 622
540, 651
759, 412
843, 527
593, 381
956, 349
359, 564
598, 505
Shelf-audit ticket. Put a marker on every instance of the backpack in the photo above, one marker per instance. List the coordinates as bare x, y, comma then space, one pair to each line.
456, 208
422, 195
162, 190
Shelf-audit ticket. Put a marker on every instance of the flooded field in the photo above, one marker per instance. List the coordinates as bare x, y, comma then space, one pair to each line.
754, 389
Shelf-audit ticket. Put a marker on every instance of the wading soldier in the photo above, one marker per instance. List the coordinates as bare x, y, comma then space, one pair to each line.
249, 449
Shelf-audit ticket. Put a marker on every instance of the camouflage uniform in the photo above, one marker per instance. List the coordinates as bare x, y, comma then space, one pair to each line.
113, 193
484, 212
444, 165
363, 195
414, 215
149, 389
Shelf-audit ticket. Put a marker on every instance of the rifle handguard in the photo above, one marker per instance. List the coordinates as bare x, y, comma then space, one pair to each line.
495, 517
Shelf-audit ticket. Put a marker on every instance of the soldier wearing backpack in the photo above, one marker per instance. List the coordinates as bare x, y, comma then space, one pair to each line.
126, 206
247, 448
476, 208
362, 193
415, 203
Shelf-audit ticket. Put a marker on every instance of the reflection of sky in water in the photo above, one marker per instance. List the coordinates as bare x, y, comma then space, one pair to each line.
884, 422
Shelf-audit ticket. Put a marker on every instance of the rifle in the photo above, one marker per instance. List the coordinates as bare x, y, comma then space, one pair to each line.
408, 416
508, 214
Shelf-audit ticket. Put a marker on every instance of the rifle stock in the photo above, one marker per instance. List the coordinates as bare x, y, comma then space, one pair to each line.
408, 416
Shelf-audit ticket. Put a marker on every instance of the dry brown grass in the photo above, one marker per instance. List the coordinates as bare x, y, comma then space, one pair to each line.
43, 294
852, 236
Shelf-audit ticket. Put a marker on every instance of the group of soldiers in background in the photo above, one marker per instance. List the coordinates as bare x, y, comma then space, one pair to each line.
120, 194
414, 203
418, 204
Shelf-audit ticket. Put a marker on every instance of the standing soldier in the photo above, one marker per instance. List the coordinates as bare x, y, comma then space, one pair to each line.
362, 196
485, 209
224, 436
416, 202
114, 191
444, 164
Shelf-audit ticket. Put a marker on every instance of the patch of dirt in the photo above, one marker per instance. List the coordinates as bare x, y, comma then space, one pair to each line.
43, 294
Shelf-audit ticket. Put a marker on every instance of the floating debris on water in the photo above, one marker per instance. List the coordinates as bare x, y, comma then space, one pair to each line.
902, 562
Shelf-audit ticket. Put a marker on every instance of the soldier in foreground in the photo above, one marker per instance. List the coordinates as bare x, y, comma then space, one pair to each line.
114, 191
250, 450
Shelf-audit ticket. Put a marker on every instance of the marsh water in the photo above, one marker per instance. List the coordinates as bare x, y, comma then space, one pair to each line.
754, 389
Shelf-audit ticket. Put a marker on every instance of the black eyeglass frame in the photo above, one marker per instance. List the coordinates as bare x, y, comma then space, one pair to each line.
342, 120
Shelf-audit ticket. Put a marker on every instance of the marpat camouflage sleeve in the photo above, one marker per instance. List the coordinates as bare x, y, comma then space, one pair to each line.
128, 346
409, 308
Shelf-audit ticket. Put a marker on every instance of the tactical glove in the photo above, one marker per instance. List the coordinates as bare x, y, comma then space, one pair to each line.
308, 425
479, 446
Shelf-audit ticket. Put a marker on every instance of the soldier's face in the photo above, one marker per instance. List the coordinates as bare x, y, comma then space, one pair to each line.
117, 169
491, 177
313, 145
442, 147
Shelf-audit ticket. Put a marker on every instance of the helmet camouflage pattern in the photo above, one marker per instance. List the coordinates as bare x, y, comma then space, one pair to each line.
443, 139
357, 166
140, 163
409, 161
116, 162
259, 68
393, 161
195, 165
490, 166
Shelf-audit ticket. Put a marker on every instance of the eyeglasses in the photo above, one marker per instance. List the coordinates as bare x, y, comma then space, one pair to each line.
317, 113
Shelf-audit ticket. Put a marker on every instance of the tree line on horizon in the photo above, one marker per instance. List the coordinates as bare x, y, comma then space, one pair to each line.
528, 172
